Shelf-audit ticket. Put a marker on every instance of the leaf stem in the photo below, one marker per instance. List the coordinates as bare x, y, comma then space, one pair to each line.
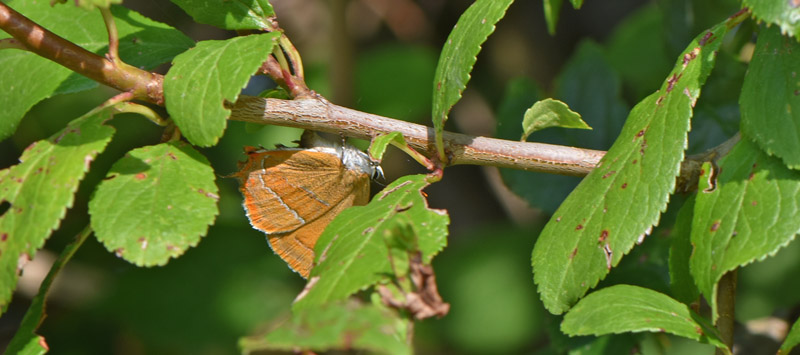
113, 37
36, 312
726, 302
143, 84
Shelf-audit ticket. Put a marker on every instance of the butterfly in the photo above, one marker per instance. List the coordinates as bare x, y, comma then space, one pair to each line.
292, 194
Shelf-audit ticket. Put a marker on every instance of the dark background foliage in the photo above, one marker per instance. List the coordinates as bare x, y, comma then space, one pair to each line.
603, 59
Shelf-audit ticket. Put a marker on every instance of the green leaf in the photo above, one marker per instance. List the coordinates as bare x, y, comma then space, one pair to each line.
40, 189
359, 257
26, 78
748, 214
785, 14
381, 142
791, 340
459, 55
91, 4
202, 79
336, 326
624, 308
681, 281
620, 201
550, 113
155, 203
552, 10
770, 99
231, 15
26, 341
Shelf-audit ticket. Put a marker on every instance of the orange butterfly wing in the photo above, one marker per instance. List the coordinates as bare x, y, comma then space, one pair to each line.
293, 194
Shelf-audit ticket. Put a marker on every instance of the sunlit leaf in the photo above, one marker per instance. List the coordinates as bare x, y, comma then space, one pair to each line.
770, 99
353, 254
746, 213
40, 189
342, 326
620, 201
550, 113
26, 78
784, 13
155, 203
203, 78
792, 339
624, 308
459, 55
231, 15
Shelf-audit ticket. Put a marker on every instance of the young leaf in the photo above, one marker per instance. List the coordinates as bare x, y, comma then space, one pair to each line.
231, 15
625, 308
620, 201
40, 189
26, 78
352, 253
792, 339
770, 99
26, 341
745, 214
681, 281
550, 113
459, 55
155, 203
381, 142
203, 78
782, 13
336, 326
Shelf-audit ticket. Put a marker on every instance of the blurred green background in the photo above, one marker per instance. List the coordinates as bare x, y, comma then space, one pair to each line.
603, 59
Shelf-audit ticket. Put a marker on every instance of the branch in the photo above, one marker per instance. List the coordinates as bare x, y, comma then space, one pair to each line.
320, 115
142, 84
314, 112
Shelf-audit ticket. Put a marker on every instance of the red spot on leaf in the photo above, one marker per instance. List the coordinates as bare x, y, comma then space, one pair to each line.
3, 237
579, 227
640, 133
609, 173
439, 85
573, 253
635, 161
754, 203
688, 57
141, 176
715, 226
603, 236
707, 38
172, 156
672, 81
624, 185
